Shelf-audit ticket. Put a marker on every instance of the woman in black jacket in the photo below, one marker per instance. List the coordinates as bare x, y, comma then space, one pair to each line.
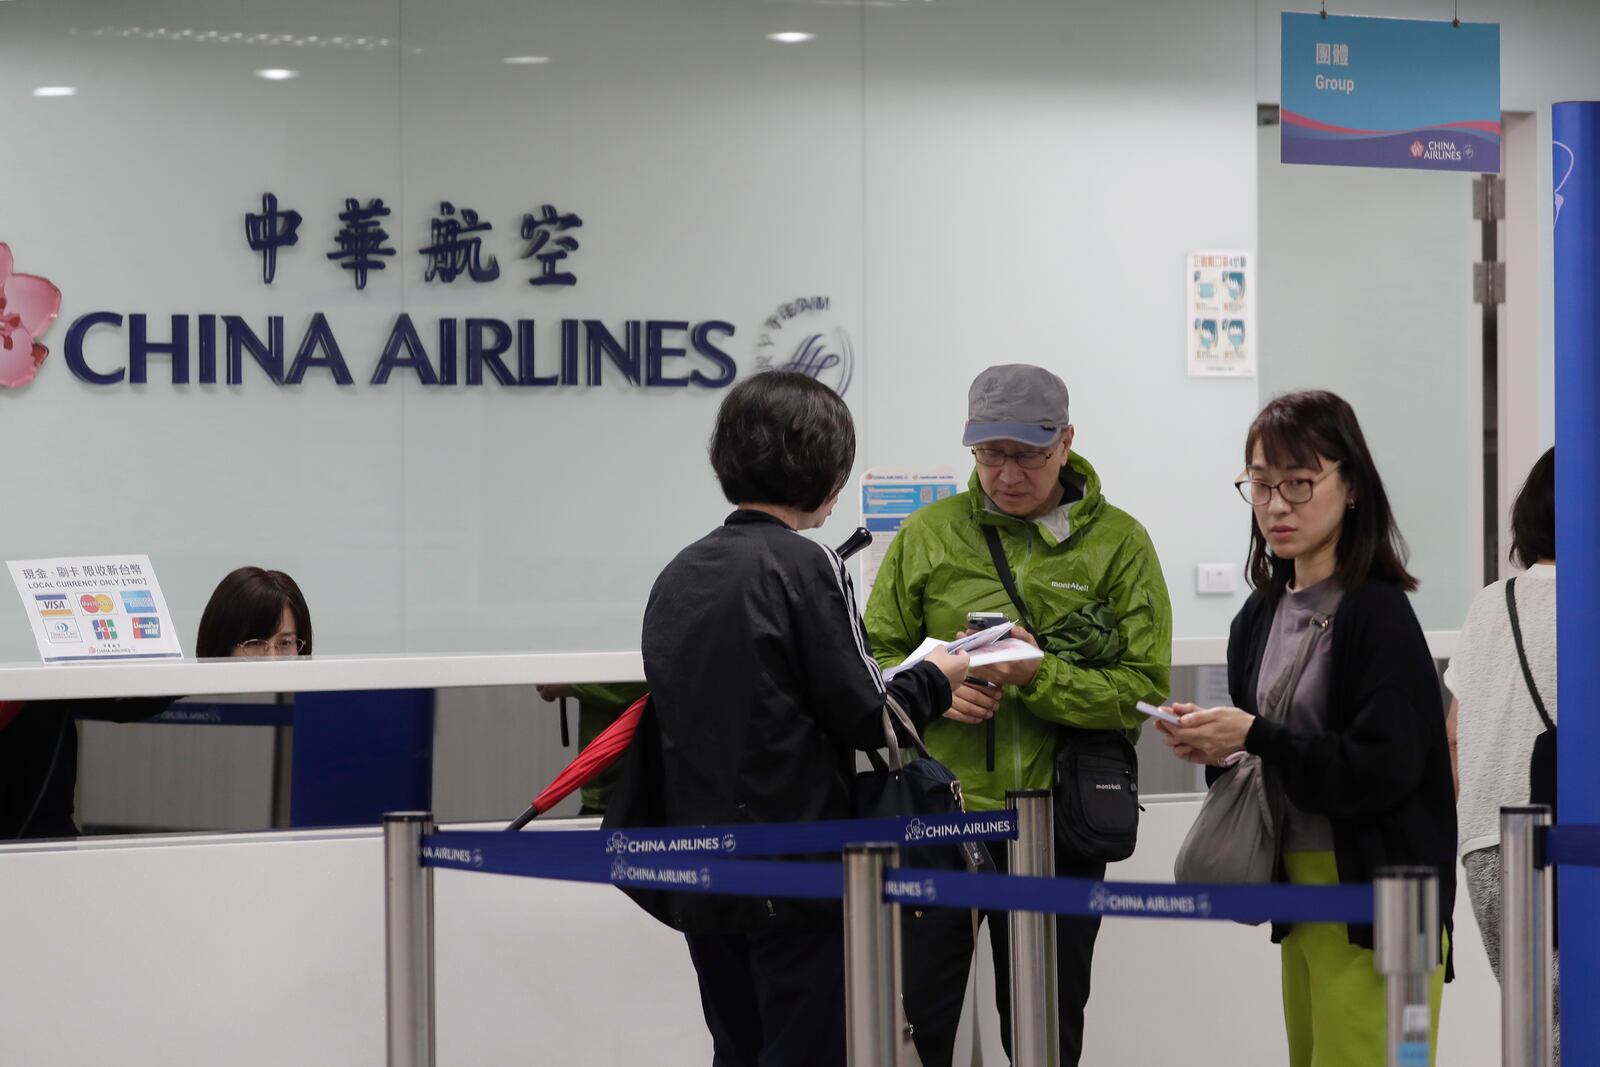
1336, 692
764, 687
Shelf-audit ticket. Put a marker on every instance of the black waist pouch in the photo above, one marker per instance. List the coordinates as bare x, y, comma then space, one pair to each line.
1097, 793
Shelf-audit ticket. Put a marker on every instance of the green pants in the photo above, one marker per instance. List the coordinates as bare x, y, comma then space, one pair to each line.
1333, 996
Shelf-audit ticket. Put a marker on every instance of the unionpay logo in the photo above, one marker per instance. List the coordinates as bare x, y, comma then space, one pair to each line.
52, 605
139, 601
146, 628
96, 603
104, 629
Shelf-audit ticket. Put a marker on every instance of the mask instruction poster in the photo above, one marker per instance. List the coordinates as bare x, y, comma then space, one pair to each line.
1219, 315
96, 608
888, 497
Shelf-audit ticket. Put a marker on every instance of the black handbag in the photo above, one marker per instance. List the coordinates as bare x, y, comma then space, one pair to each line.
1542, 764
1542, 767
923, 786
1096, 773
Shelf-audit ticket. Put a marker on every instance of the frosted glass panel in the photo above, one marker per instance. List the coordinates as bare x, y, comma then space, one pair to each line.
1366, 290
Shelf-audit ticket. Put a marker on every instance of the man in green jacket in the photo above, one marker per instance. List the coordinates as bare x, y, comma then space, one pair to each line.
1090, 581
599, 704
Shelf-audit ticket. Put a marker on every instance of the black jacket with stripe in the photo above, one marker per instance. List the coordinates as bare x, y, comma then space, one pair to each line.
764, 687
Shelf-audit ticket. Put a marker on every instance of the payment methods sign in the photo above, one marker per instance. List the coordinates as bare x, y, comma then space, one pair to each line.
94, 608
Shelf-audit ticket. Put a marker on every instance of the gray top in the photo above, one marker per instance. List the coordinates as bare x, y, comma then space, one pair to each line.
1298, 611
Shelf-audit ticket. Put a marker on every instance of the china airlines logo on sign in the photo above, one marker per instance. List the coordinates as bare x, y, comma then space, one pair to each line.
28, 305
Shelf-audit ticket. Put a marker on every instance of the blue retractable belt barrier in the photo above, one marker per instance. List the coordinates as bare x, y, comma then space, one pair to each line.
524, 855
197, 713
1144, 900
779, 839
700, 860
1573, 846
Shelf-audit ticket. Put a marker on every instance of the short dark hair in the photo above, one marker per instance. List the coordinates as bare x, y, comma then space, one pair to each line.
782, 438
1293, 430
1533, 514
246, 606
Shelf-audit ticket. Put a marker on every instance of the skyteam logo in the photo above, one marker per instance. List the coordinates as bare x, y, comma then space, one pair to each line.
806, 337
729, 843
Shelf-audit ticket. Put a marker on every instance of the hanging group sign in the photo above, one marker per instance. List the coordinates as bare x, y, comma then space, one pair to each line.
1379, 92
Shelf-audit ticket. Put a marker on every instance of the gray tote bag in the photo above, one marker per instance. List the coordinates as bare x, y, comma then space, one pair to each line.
1234, 839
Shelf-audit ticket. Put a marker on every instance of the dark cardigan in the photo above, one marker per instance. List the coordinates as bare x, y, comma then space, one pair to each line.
1381, 771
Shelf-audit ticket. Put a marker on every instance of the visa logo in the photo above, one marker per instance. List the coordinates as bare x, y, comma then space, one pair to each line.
52, 606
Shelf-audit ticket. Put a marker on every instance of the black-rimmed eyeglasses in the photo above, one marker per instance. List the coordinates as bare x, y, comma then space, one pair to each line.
1293, 490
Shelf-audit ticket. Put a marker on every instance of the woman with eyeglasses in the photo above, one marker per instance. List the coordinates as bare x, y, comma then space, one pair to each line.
252, 612
1335, 691
255, 612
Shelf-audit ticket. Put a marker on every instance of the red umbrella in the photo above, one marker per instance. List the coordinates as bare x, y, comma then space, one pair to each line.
600, 753
605, 749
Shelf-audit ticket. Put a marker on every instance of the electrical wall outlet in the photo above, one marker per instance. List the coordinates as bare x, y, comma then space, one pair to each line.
1216, 578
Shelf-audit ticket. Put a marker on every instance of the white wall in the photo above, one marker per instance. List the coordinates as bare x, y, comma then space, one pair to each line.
1016, 180
939, 171
268, 949
1547, 50
1366, 290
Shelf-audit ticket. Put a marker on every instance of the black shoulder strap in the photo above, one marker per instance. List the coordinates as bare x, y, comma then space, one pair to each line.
997, 552
1522, 654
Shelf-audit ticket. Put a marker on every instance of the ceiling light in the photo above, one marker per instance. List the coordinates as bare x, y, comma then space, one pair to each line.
277, 74
525, 61
791, 37
55, 90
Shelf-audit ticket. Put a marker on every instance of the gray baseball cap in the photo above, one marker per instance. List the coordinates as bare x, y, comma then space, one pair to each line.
1016, 402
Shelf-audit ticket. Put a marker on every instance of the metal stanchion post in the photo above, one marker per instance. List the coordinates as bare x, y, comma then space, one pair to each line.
1406, 943
871, 966
408, 928
1526, 1030
1035, 1021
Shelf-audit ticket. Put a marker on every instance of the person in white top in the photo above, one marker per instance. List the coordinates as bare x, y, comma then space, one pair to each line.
1493, 721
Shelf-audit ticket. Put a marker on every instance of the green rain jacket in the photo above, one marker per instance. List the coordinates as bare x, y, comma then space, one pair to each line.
1091, 582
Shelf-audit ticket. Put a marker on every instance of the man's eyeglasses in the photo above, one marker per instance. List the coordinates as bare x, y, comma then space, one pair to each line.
1293, 490
1030, 460
287, 645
